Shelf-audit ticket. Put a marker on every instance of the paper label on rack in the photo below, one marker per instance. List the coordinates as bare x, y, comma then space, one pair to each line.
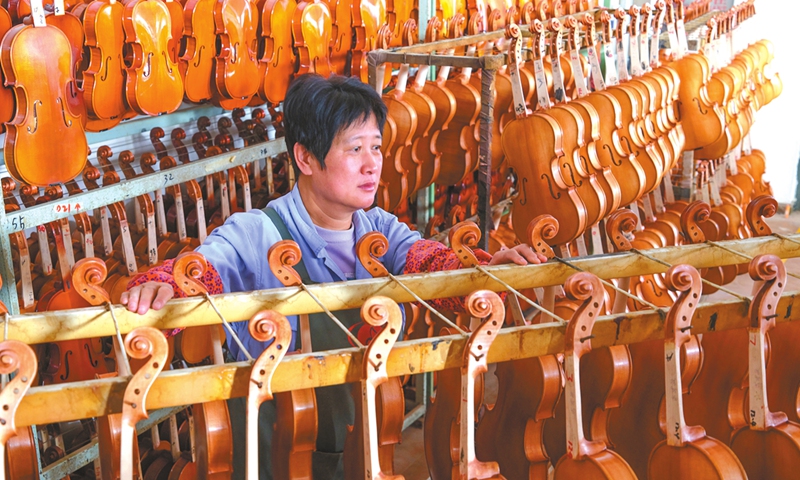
610, 54
636, 61
622, 63
673, 38
25, 271
152, 241
127, 248
634, 207
37, 12
648, 207
66, 237
644, 52
714, 188
577, 74
669, 191
654, 49
541, 84
688, 169
597, 240
161, 216
704, 196
684, 42
106, 231
658, 199
559, 91
597, 73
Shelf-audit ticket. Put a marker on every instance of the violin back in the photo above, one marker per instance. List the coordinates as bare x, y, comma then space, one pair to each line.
706, 458
279, 56
42, 84
154, 85
236, 70
6, 93
104, 78
197, 63
312, 28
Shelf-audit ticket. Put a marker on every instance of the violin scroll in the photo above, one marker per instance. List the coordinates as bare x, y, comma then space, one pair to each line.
14, 356
586, 288
88, 276
369, 247
484, 304
187, 270
379, 311
464, 237
618, 226
770, 270
684, 279
282, 256
696, 213
140, 343
764, 206
541, 229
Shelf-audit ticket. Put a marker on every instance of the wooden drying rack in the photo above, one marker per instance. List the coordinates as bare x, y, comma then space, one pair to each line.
94, 398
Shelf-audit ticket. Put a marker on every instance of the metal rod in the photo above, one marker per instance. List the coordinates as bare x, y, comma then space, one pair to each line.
353, 338
709, 283
427, 305
519, 294
617, 289
228, 326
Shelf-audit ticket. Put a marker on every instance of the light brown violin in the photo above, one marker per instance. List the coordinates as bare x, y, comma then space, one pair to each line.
236, 71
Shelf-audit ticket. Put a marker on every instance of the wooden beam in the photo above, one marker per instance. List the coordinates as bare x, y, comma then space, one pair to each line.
186, 312
202, 384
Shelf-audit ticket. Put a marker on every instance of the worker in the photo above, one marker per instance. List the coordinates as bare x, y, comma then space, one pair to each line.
333, 136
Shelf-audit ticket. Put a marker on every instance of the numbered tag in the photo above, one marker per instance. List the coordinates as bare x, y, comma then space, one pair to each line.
152, 241
636, 59
610, 54
69, 207
654, 49
161, 216
66, 238
37, 12
106, 231
179, 218
669, 191
597, 240
127, 248
674, 45
644, 52
597, 73
622, 63
577, 73
684, 42
648, 207
559, 92
658, 199
88, 245
541, 84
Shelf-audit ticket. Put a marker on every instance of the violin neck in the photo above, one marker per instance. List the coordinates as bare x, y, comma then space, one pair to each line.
467, 425
676, 424
759, 408
574, 414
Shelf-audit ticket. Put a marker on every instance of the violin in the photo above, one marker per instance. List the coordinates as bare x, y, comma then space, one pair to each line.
279, 56
687, 450
6, 93
771, 433
538, 164
342, 34
369, 429
295, 437
584, 458
371, 33
212, 433
388, 394
197, 62
236, 71
18, 358
44, 85
153, 83
311, 28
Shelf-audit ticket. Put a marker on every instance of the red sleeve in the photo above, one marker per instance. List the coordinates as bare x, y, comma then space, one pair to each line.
430, 256
163, 274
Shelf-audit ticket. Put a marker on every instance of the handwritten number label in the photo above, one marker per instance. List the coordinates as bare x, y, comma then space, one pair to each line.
168, 177
67, 207
18, 223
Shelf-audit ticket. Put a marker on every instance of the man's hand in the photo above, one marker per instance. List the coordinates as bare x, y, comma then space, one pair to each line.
141, 298
521, 255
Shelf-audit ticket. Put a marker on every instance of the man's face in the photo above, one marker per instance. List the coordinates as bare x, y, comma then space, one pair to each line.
352, 169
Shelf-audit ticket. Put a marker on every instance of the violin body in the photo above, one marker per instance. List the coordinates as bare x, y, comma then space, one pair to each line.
769, 454
153, 84
104, 78
197, 63
213, 443
706, 458
6, 93
236, 68
312, 28
279, 57
21, 461
43, 88
295, 437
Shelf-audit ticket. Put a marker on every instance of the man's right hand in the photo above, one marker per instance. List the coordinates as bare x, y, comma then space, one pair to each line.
141, 298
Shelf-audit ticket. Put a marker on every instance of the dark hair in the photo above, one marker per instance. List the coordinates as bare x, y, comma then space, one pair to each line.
316, 109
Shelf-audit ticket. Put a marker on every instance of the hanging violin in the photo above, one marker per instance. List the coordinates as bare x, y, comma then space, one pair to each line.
37, 62
236, 71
